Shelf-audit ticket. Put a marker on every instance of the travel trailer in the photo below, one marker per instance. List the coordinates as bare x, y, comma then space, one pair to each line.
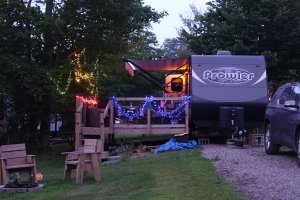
228, 92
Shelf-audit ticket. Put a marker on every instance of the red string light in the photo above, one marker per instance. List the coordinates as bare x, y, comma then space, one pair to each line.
93, 101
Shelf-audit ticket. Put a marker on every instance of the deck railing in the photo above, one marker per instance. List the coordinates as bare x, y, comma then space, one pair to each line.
161, 116
135, 115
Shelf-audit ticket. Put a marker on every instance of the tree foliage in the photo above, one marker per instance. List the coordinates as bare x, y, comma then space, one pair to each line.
22, 77
72, 47
269, 27
175, 48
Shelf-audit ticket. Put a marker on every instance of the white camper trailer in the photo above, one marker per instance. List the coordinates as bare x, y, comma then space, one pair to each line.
226, 90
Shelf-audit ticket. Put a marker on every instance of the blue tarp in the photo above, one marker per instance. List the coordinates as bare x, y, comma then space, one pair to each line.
173, 145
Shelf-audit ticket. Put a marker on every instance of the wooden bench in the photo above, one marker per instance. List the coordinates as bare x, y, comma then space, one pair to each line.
13, 157
85, 160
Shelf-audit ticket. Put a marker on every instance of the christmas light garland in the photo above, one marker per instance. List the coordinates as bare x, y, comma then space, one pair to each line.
58, 83
131, 114
172, 114
93, 101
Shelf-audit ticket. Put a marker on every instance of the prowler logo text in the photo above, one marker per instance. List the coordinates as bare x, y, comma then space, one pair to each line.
228, 76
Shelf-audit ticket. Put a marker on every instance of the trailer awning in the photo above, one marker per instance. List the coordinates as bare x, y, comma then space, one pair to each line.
132, 65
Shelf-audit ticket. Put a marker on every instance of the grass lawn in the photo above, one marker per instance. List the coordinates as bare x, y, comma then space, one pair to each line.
172, 175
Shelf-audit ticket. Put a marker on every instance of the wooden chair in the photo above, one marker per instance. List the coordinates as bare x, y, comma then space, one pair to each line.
13, 157
86, 160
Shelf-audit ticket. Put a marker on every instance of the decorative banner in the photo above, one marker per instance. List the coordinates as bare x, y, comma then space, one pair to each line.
152, 105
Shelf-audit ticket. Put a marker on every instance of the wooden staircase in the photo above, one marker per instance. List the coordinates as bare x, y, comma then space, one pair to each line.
83, 132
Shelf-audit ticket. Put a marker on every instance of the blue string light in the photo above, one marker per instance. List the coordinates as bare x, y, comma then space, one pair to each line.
131, 114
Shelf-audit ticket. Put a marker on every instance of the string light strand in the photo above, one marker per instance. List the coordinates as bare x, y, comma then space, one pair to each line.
131, 113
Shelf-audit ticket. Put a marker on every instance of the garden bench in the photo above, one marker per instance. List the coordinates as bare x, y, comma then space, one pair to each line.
13, 158
84, 160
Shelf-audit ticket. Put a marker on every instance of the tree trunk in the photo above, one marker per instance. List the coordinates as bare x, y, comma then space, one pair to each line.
45, 133
49, 45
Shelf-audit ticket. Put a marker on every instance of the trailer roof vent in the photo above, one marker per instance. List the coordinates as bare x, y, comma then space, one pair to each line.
224, 53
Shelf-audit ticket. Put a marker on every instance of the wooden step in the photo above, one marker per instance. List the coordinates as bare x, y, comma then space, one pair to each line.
91, 131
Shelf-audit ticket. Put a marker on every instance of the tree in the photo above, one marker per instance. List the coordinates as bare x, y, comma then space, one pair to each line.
22, 77
175, 48
103, 32
267, 27
48, 57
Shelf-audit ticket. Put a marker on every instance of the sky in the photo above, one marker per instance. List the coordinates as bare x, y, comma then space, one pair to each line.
169, 25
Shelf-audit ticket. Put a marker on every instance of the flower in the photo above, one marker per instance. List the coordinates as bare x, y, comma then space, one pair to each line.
39, 177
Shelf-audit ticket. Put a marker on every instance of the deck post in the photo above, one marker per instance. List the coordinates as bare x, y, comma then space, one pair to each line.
78, 125
78, 103
111, 120
102, 130
148, 121
84, 112
187, 117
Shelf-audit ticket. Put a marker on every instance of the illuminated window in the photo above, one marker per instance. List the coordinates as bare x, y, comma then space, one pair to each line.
177, 84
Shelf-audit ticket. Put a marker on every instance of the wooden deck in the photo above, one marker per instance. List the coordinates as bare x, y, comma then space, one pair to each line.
147, 123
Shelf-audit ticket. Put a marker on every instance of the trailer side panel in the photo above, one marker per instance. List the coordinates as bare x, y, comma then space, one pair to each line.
228, 81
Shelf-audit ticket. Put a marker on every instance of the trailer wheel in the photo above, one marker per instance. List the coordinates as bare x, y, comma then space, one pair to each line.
270, 147
298, 148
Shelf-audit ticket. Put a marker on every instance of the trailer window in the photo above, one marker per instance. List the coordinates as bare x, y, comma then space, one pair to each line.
177, 84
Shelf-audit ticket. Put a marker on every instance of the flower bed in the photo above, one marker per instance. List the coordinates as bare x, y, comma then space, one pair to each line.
26, 188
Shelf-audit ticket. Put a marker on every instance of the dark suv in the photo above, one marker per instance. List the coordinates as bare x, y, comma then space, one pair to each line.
282, 120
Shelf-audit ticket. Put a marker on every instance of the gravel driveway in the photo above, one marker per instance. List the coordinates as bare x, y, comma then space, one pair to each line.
260, 176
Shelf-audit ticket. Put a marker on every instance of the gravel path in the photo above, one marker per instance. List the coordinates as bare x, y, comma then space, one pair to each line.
260, 176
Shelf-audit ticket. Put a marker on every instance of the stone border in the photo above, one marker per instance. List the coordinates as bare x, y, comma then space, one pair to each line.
21, 190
